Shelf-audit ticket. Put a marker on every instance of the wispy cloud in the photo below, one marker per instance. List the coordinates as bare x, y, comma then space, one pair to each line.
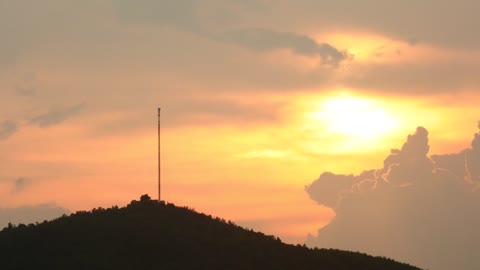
7, 129
261, 39
187, 16
20, 184
56, 116
26, 91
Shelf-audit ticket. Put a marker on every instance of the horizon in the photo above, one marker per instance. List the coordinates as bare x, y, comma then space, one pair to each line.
282, 117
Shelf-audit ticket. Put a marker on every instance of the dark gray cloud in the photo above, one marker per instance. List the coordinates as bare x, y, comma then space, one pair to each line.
413, 21
190, 16
140, 28
415, 209
7, 129
56, 116
20, 184
30, 214
265, 40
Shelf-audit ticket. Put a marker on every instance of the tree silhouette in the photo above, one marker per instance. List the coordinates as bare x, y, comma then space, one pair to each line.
147, 234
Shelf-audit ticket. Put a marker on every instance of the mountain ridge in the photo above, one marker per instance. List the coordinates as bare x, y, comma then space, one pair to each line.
148, 234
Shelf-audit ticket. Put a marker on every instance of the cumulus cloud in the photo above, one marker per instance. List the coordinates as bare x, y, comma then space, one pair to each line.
472, 158
56, 116
416, 208
7, 129
30, 214
329, 188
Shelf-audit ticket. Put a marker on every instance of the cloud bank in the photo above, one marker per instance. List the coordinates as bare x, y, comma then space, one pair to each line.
419, 209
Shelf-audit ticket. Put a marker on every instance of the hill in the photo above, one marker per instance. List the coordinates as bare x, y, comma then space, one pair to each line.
147, 234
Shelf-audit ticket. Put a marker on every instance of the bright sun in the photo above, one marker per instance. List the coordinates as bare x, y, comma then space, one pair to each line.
355, 117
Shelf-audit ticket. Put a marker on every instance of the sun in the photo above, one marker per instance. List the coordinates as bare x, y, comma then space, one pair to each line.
355, 117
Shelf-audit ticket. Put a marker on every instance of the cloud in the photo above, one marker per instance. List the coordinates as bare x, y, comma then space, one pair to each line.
440, 28
415, 209
423, 77
27, 85
329, 188
221, 111
260, 39
25, 91
174, 13
56, 116
144, 30
191, 16
450, 25
472, 159
20, 184
191, 110
7, 129
30, 214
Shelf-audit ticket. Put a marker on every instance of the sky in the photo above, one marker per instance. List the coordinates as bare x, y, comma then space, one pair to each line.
279, 115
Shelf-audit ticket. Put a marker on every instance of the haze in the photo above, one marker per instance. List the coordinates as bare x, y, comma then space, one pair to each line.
258, 99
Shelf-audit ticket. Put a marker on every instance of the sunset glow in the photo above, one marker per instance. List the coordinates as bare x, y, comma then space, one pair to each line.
295, 119
355, 117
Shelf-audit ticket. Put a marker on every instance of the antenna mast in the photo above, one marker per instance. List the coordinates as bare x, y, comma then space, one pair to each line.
159, 167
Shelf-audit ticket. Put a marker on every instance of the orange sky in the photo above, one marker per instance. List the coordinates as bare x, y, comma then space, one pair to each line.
253, 174
246, 126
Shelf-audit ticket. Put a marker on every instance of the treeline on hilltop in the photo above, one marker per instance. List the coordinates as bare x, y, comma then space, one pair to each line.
147, 234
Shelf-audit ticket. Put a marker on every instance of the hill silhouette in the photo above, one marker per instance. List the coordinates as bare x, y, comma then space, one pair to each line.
147, 234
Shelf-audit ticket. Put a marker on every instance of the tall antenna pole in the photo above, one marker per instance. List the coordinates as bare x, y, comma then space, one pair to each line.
159, 167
